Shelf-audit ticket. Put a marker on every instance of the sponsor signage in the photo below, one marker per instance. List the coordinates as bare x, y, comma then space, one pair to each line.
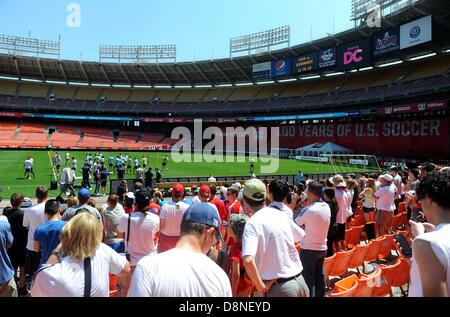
262, 70
386, 41
306, 63
10, 114
416, 32
417, 107
327, 57
311, 158
281, 67
358, 162
354, 55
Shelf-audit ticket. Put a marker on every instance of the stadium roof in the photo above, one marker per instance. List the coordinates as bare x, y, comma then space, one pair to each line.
223, 71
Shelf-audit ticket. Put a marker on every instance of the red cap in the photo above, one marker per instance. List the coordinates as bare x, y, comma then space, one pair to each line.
205, 191
178, 190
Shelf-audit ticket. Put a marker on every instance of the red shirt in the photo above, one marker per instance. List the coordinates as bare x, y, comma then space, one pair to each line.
221, 208
129, 210
236, 256
154, 208
235, 208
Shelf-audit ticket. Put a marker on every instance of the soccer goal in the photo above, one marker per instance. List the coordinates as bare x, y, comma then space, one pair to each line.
353, 163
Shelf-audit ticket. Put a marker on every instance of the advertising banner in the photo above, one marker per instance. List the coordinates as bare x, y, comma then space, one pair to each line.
262, 70
416, 32
354, 55
281, 67
306, 63
386, 41
327, 58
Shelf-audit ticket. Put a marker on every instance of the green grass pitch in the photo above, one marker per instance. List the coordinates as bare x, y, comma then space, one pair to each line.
12, 170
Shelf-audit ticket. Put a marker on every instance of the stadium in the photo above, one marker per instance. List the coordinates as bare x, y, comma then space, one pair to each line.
357, 102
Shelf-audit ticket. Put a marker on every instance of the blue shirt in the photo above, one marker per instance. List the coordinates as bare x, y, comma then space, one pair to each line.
48, 236
6, 240
299, 178
188, 201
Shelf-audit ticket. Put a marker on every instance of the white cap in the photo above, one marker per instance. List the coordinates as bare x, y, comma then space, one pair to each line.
387, 177
130, 195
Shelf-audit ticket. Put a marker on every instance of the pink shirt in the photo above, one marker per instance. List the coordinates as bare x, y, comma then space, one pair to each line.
344, 200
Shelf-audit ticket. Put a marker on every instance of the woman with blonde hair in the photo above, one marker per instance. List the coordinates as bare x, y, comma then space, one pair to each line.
369, 201
81, 263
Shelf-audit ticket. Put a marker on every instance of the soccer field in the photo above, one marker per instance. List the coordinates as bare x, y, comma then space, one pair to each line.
12, 177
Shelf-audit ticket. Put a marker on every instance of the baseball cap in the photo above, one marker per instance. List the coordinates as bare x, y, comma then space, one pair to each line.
237, 223
387, 177
178, 190
130, 195
142, 197
84, 193
223, 190
338, 181
205, 191
255, 190
394, 168
206, 214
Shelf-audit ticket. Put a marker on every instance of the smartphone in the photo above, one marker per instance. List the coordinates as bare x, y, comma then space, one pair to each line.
406, 248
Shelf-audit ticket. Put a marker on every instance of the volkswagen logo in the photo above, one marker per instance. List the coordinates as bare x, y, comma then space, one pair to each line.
415, 32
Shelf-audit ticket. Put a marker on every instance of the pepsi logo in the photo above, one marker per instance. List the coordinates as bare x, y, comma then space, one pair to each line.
415, 32
280, 65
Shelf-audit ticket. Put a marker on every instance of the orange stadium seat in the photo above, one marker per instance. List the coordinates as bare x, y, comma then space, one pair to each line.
327, 263
386, 247
372, 253
345, 287
399, 221
367, 283
340, 263
388, 273
358, 257
355, 236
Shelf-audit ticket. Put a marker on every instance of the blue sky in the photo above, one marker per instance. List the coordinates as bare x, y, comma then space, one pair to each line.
201, 29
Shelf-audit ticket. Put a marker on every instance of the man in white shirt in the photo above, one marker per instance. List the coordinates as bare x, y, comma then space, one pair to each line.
268, 247
58, 162
170, 217
211, 179
278, 191
139, 230
316, 220
344, 200
34, 217
28, 166
385, 197
185, 271
74, 164
397, 181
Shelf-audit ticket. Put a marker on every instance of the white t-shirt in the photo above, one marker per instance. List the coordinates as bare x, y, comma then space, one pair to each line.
386, 196
74, 163
57, 160
28, 164
211, 179
316, 218
440, 244
33, 217
179, 273
66, 278
270, 239
344, 200
398, 185
143, 228
196, 199
173, 213
283, 208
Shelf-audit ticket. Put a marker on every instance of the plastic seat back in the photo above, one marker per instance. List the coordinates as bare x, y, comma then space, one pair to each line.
345, 287
355, 236
402, 274
340, 263
359, 256
387, 278
387, 246
372, 253
367, 283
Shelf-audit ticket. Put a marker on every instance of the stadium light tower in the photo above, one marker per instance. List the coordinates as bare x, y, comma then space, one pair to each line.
361, 9
26, 46
261, 41
138, 54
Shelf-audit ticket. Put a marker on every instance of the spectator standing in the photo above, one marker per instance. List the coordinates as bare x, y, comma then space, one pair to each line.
315, 218
139, 174
185, 271
170, 217
344, 200
268, 247
278, 191
46, 236
81, 248
369, 201
32, 218
397, 181
149, 178
111, 219
18, 249
330, 198
8, 287
139, 230
83, 198
385, 197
